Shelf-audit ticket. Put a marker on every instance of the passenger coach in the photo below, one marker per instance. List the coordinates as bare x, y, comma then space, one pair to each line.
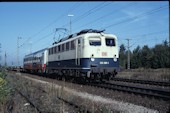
36, 62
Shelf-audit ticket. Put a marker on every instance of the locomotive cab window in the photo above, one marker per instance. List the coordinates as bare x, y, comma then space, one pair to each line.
110, 42
95, 41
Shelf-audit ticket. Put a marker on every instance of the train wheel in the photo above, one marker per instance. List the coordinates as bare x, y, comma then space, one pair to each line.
109, 77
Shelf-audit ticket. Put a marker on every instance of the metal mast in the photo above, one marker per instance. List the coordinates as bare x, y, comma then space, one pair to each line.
18, 51
128, 58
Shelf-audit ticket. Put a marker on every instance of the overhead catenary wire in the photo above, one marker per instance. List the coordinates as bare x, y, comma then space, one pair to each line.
52, 32
77, 19
60, 17
148, 41
108, 14
146, 34
87, 13
95, 8
137, 16
80, 17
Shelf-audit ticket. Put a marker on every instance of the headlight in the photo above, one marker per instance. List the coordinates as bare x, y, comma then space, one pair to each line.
114, 58
92, 59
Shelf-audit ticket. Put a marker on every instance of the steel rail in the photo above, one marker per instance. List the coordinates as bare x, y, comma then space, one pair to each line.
31, 103
150, 82
153, 92
80, 108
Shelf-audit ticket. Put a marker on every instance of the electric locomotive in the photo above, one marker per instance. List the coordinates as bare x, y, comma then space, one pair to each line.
89, 54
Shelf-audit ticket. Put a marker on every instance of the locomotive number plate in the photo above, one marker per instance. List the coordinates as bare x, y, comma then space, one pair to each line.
104, 53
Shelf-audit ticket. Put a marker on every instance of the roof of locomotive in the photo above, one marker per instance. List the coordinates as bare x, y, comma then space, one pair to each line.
79, 33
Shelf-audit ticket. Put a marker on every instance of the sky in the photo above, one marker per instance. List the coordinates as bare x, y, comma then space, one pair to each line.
33, 24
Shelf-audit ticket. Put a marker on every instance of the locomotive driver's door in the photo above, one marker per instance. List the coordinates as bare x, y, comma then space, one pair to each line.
78, 51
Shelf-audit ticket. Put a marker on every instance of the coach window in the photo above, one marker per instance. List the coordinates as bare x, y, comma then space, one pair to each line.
95, 41
51, 50
62, 47
110, 42
56, 49
72, 45
67, 46
59, 48
78, 41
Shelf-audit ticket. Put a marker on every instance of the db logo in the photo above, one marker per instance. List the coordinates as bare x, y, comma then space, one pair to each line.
104, 54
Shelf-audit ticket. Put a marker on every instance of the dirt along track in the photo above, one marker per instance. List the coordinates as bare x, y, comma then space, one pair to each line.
29, 97
118, 97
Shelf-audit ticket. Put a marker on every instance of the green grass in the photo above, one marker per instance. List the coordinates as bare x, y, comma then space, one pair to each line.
4, 89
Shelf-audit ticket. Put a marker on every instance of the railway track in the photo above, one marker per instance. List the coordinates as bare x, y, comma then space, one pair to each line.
150, 82
142, 90
151, 92
28, 100
38, 110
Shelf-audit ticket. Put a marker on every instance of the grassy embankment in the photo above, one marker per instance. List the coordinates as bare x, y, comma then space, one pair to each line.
4, 90
146, 74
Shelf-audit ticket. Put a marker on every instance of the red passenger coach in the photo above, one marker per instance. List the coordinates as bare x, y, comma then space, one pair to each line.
36, 62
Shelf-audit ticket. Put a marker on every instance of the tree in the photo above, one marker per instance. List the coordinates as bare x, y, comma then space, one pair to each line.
136, 58
122, 56
161, 56
146, 57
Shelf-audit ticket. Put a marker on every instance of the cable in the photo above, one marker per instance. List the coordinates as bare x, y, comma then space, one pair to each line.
154, 33
88, 12
109, 14
60, 17
94, 10
97, 8
138, 16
